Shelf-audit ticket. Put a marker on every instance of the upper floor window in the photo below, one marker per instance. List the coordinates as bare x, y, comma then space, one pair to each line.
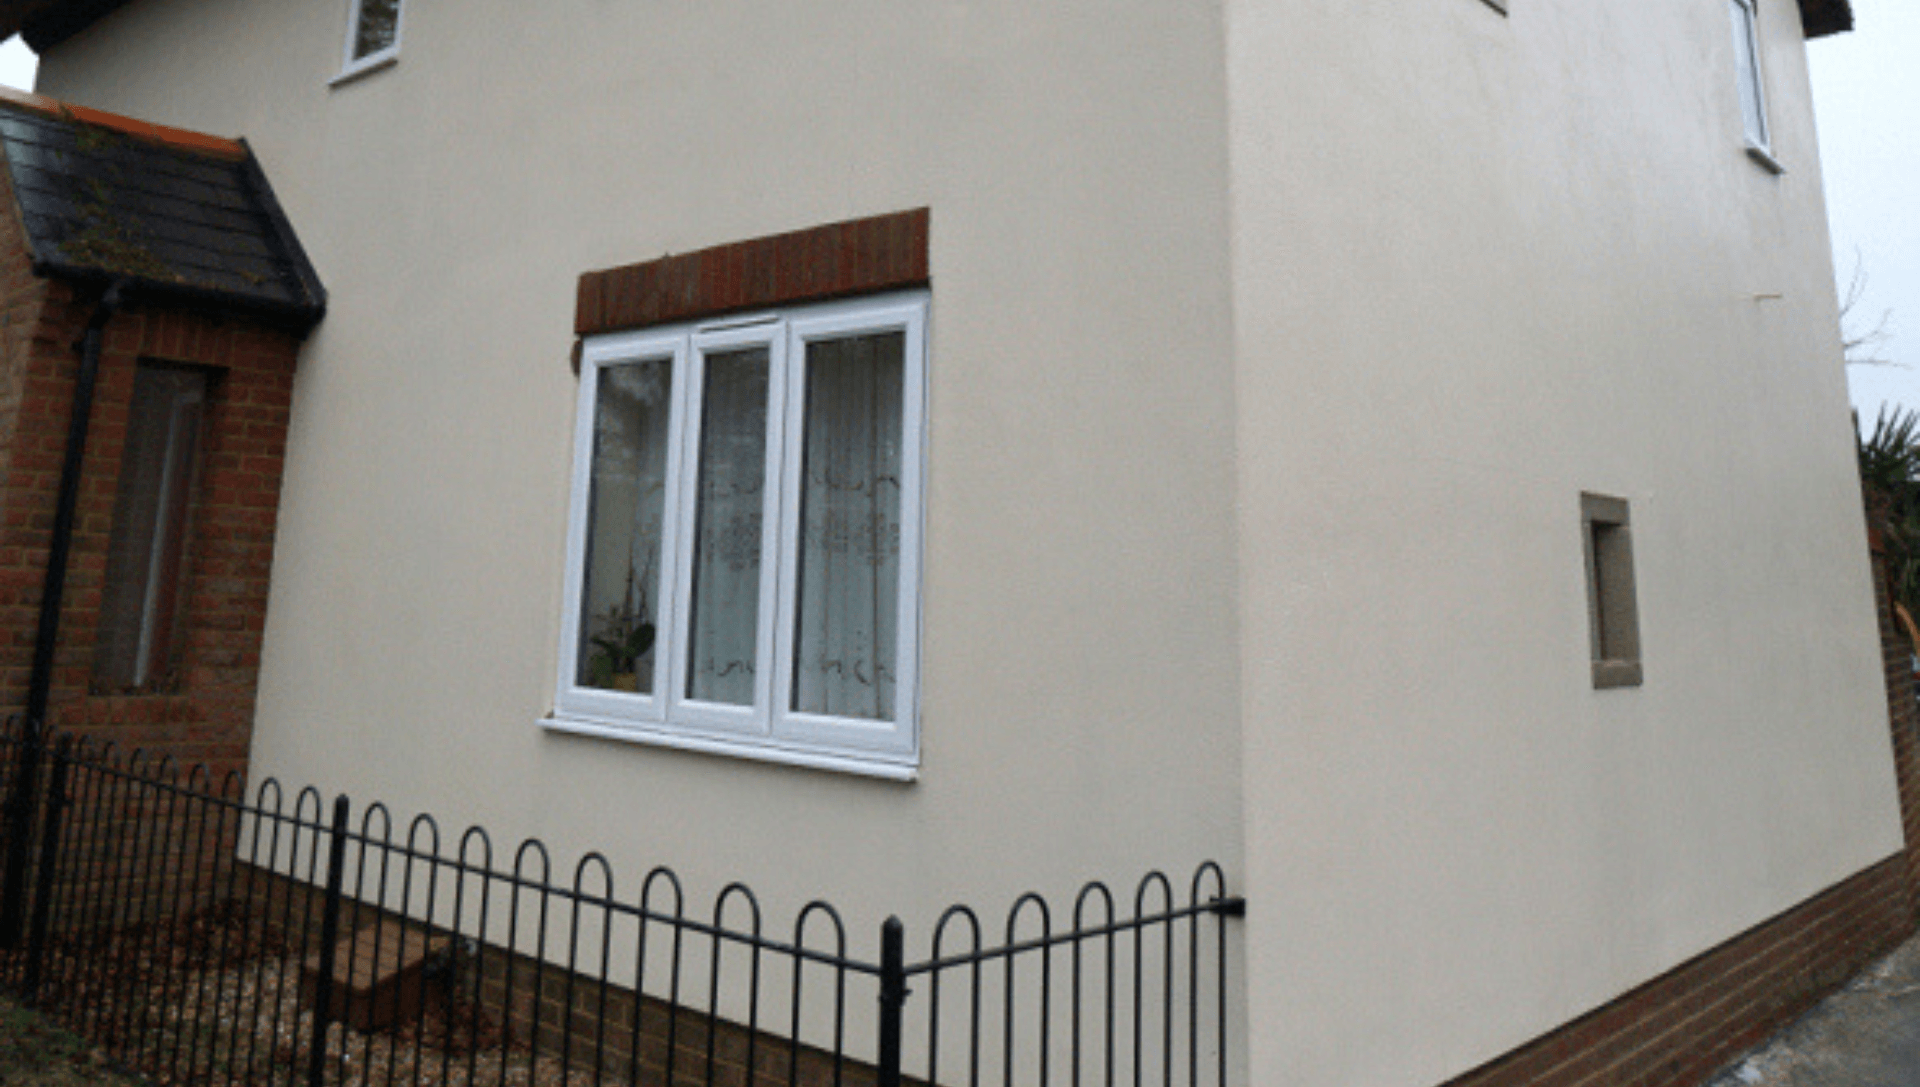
373, 35
743, 550
1753, 97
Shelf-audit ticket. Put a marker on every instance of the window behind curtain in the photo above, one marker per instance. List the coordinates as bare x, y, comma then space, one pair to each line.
849, 538
620, 592
747, 496
138, 636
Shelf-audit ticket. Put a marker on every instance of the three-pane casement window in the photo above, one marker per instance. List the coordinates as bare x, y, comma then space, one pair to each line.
744, 543
1746, 60
136, 643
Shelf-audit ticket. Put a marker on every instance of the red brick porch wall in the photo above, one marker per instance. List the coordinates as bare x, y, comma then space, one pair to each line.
207, 716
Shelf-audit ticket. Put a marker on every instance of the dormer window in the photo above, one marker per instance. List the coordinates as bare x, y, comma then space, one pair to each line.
373, 36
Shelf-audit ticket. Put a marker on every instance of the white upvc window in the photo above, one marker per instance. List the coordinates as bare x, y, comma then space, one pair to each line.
373, 36
1753, 96
744, 540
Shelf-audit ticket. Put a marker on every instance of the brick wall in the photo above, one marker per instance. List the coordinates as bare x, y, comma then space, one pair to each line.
207, 715
1896, 658
859, 256
1681, 1027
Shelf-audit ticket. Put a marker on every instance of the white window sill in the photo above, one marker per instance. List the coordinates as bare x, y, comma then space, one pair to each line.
741, 748
365, 66
1765, 158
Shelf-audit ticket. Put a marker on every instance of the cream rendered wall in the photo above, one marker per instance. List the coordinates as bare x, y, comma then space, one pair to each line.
1262, 391
1080, 673
1482, 264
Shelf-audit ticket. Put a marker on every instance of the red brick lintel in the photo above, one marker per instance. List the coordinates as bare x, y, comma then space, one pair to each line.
859, 256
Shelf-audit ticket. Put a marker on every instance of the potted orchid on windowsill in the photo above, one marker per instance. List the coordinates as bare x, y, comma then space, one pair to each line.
625, 636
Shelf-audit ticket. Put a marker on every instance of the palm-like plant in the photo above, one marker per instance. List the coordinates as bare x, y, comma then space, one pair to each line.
1890, 482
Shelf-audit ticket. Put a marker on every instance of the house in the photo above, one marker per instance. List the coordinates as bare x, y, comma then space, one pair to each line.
931, 449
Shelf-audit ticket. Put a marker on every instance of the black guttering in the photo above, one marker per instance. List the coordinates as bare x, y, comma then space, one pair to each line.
53, 587
296, 319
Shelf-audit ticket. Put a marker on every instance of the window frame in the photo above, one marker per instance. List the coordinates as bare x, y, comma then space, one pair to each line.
352, 66
1750, 83
769, 729
156, 616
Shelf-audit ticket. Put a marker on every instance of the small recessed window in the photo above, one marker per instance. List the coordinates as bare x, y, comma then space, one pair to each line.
1613, 621
136, 647
373, 35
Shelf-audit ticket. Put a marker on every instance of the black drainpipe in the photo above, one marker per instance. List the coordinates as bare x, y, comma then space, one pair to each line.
53, 587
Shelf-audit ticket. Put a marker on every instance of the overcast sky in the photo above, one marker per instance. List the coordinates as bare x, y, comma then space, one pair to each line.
1866, 93
17, 64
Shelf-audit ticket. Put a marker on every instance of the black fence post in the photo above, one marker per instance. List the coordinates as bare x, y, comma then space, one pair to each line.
329, 935
49, 858
893, 998
19, 816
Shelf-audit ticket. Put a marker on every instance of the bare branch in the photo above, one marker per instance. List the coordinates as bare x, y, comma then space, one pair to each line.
1857, 347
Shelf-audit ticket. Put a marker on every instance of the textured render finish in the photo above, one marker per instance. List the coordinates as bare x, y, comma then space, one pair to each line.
1080, 676
1481, 266
1678, 1026
1264, 540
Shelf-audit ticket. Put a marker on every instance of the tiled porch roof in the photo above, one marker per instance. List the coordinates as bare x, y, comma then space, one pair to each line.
176, 214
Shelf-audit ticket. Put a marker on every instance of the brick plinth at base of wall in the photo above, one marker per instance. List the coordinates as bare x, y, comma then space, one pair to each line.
1685, 1024
1681, 1027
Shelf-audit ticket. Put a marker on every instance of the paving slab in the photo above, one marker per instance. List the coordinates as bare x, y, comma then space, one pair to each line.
1865, 1035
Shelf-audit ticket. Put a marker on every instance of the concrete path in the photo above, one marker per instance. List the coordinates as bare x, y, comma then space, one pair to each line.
1865, 1035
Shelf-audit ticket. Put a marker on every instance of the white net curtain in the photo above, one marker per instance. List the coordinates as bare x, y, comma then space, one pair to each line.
728, 528
849, 581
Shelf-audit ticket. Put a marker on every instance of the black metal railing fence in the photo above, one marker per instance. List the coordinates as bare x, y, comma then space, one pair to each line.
204, 937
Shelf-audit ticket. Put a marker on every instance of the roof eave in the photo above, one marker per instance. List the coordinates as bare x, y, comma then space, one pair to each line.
1820, 18
297, 318
47, 23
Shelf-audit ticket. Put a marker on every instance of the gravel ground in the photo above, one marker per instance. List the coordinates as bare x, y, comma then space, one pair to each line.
214, 999
35, 1053
246, 1024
